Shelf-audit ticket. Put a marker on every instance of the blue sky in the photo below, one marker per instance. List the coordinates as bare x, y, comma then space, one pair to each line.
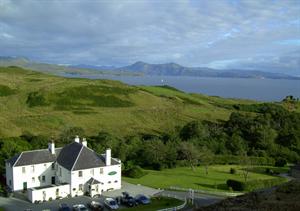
247, 34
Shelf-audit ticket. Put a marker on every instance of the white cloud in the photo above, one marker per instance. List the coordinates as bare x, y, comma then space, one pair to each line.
106, 32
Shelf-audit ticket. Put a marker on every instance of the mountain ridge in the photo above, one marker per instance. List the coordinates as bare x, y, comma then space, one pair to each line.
140, 67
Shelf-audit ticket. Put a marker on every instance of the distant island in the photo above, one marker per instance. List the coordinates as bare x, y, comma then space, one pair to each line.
142, 68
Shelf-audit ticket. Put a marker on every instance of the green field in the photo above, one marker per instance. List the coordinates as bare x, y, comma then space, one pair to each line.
46, 104
184, 177
156, 204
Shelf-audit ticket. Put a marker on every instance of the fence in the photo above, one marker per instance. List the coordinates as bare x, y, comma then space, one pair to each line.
174, 208
206, 192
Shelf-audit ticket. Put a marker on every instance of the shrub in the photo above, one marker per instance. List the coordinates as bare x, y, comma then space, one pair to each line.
269, 171
35, 99
232, 171
134, 172
5, 91
235, 185
261, 184
281, 162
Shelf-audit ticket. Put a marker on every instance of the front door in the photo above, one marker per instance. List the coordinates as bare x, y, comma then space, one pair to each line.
24, 185
53, 180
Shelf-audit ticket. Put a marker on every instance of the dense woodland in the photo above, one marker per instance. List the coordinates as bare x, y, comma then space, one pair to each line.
262, 133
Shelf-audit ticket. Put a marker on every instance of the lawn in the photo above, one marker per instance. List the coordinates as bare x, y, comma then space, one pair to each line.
185, 177
157, 203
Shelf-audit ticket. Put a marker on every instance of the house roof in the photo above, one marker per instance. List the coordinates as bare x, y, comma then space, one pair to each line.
93, 181
75, 157
33, 157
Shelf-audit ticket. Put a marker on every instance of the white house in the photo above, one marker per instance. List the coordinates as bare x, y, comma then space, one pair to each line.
72, 170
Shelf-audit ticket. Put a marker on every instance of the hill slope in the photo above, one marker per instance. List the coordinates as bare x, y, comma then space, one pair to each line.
46, 104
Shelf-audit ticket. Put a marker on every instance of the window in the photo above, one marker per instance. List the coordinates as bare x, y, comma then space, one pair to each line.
109, 182
39, 178
116, 181
9, 182
80, 187
92, 172
53, 166
101, 170
60, 171
33, 180
23, 170
79, 173
32, 169
43, 178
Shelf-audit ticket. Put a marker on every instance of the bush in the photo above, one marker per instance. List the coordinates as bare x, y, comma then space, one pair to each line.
35, 99
281, 162
261, 184
232, 171
235, 185
6, 91
134, 172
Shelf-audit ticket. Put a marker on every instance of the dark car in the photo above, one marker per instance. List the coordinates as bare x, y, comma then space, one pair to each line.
142, 199
64, 207
79, 207
97, 206
111, 204
128, 200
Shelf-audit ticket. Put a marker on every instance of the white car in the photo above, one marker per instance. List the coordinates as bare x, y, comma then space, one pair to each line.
110, 203
79, 207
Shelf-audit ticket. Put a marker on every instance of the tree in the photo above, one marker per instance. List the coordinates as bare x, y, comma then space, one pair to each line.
247, 166
68, 134
189, 153
206, 158
194, 130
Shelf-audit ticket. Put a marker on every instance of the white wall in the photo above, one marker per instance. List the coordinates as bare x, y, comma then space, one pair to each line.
50, 192
104, 178
44, 169
65, 176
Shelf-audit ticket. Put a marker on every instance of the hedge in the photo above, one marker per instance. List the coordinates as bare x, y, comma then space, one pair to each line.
233, 159
254, 184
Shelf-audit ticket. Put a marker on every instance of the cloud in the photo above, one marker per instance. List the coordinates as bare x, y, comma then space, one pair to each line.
192, 33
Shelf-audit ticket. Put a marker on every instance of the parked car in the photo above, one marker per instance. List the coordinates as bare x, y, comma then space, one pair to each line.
94, 205
79, 207
128, 200
142, 199
110, 203
64, 207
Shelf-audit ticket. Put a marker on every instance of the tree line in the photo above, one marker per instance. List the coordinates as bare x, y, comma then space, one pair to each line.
270, 134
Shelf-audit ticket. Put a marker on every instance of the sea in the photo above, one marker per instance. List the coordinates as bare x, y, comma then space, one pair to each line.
269, 90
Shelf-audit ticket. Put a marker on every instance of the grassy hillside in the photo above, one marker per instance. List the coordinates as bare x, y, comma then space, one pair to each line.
46, 104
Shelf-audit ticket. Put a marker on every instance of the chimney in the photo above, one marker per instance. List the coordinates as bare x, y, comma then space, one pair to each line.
51, 147
77, 139
108, 157
84, 142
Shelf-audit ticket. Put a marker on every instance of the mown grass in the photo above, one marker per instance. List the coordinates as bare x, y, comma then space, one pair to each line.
156, 204
185, 177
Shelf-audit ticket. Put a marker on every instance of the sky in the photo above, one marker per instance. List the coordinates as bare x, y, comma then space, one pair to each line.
221, 34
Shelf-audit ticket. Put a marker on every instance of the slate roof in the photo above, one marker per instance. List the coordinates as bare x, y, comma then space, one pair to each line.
93, 181
75, 157
33, 157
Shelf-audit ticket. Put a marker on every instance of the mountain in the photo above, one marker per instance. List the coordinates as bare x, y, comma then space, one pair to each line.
140, 68
173, 69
